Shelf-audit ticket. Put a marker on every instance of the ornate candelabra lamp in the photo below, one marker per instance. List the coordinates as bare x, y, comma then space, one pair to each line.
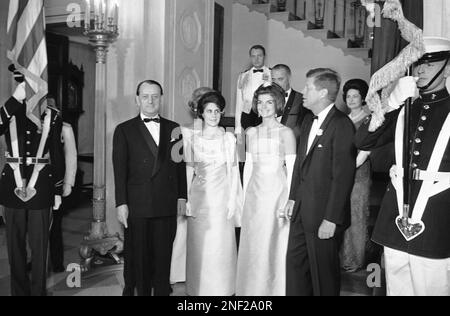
360, 16
319, 13
102, 29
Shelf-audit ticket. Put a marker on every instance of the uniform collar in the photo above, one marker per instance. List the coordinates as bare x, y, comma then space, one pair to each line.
435, 96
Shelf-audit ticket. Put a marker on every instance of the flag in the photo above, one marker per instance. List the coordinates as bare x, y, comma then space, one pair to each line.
27, 50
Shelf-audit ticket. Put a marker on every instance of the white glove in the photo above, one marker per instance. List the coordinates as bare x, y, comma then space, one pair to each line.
406, 88
20, 94
58, 202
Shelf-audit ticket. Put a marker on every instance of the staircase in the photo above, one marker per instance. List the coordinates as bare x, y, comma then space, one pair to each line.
342, 40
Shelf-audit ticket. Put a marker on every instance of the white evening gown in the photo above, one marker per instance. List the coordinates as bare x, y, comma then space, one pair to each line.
264, 236
211, 239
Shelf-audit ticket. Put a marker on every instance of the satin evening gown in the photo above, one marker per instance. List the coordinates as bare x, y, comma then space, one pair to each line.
264, 236
211, 241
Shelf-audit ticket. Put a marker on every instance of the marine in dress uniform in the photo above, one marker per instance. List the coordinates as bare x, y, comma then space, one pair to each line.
248, 82
30, 185
418, 263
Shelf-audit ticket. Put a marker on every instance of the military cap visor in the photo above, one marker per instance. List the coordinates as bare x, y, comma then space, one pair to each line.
437, 49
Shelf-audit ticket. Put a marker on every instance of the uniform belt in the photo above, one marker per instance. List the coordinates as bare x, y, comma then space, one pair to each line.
421, 175
29, 161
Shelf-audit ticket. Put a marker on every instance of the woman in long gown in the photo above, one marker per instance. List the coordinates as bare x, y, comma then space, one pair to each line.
271, 153
356, 237
213, 205
178, 266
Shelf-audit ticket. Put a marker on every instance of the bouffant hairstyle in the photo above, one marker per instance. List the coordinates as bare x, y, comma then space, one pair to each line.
196, 96
356, 84
211, 97
275, 91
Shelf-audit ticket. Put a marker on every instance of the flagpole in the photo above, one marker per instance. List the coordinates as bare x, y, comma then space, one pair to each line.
407, 168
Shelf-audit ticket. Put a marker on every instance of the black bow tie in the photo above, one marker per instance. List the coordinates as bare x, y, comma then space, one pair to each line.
315, 117
156, 120
287, 94
258, 70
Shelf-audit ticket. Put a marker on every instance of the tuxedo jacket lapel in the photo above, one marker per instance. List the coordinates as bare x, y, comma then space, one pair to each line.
147, 137
324, 126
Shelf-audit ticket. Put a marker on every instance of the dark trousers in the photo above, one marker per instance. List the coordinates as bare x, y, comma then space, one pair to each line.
148, 254
312, 265
56, 241
250, 120
36, 224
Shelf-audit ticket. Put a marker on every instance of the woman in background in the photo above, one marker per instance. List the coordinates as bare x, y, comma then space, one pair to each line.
178, 266
356, 237
271, 153
214, 204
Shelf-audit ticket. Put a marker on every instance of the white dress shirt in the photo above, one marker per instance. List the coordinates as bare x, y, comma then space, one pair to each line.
317, 124
153, 127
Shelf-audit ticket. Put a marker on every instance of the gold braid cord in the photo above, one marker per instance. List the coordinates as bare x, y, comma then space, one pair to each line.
386, 78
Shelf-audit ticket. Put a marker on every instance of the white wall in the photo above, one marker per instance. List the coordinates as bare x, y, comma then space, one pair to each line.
289, 46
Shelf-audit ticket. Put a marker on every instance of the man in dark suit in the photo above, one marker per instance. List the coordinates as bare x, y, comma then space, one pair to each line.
294, 112
150, 181
30, 185
319, 206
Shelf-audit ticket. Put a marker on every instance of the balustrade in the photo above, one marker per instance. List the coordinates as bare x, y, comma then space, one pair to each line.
345, 18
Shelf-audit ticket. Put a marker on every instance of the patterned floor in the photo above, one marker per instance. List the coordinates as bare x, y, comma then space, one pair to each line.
110, 283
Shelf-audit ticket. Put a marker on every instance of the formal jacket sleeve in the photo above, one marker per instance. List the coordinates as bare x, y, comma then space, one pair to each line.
343, 173
367, 141
7, 112
120, 165
57, 153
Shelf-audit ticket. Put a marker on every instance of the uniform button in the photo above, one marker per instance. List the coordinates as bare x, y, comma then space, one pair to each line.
421, 129
28, 154
28, 132
417, 153
414, 165
28, 143
418, 141
426, 107
423, 118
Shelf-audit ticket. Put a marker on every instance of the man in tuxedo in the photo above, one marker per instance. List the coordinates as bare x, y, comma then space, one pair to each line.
319, 206
294, 112
249, 81
150, 181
